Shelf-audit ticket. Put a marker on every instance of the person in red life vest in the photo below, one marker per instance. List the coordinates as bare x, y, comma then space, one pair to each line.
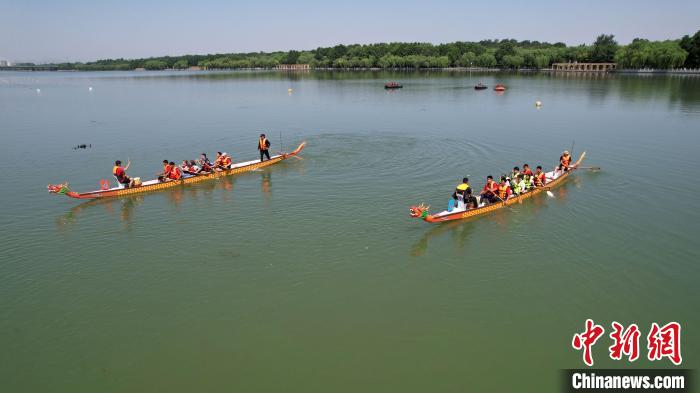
166, 170
565, 161
263, 147
193, 168
175, 172
540, 177
526, 170
504, 191
490, 191
120, 174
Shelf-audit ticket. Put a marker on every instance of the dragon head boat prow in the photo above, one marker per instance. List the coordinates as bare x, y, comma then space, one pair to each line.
419, 211
63, 189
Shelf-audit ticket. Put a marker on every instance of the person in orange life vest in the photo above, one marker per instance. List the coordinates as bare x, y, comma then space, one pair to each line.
223, 161
504, 191
490, 190
120, 174
263, 146
540, 177
565, 161
166, 170
526, 170
175, 172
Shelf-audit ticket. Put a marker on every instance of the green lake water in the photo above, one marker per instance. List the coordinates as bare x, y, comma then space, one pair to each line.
309, 276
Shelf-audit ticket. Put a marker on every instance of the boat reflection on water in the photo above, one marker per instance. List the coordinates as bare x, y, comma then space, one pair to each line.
459, 231
123, 207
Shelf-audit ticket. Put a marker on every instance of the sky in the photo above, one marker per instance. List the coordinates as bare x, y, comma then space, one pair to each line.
80, 30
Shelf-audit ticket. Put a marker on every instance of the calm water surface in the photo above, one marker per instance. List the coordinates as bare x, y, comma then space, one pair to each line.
309, 276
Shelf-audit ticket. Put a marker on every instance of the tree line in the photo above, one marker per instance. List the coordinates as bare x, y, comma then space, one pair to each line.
507, 53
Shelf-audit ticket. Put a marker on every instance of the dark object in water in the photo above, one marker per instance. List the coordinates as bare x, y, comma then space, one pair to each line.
392, 85
83, 146
480, 86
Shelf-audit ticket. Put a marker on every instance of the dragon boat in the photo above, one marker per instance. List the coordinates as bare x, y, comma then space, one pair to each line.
157, 185
554, 179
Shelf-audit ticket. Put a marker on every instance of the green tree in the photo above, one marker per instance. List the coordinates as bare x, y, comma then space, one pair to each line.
155, 65
692, 46
513, 61
181, 64
505, 48
604, 49
467, 60
486, 60
292, 57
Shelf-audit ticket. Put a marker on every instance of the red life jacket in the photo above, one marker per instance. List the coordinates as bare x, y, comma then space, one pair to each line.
541, 179
175, 173
226, 161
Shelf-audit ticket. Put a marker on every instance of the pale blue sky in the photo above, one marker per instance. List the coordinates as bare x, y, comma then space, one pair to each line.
36, 30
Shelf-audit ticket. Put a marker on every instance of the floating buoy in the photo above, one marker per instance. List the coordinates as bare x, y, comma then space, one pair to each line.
538, 103
38, 91
290, 90
90, 88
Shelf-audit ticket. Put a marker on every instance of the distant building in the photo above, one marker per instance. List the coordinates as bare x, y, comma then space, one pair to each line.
4, 63
293, 67
584, 67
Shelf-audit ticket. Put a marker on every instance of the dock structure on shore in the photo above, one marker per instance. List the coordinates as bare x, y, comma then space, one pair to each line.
293, 67
584, 67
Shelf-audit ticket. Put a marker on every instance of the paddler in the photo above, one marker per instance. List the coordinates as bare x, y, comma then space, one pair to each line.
515, 173
166, 170
460, 195
120, 174
519, 185
263, 146
175, 172
222, 162
204, 162
565, 161
504, 191
490, 190
540, 177
526, 170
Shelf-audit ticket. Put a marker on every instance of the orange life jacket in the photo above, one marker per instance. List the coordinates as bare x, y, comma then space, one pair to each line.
226, 161
263, 143
502, 191
565, 161
114, 170
175, 173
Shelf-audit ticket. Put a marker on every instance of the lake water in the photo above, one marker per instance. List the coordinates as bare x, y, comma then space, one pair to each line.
310, 276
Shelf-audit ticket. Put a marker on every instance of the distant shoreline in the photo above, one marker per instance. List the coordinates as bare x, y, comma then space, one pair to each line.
642, 71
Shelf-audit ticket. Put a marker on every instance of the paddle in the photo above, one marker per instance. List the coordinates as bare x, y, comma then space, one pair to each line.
592, 168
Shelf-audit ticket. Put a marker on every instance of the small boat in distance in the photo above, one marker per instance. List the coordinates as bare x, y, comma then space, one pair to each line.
500, 87
480, 86
392, 85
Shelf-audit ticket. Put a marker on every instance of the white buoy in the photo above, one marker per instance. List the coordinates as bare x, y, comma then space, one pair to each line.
90, 88
290, 90
538, 103
38, 91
